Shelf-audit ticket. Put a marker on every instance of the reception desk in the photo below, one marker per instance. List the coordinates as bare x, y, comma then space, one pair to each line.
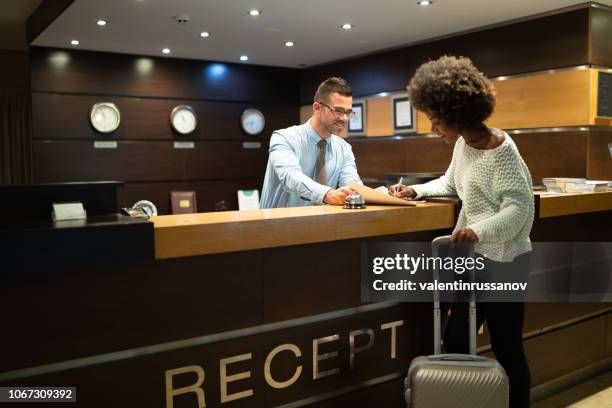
255, 308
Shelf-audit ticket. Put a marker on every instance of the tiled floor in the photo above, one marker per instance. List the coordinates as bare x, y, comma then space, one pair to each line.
595, 393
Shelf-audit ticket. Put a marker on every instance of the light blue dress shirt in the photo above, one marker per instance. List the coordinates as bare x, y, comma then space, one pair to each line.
290, 174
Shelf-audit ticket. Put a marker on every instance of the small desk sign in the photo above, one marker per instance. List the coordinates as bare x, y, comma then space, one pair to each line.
105, 144
251, 145
68, 211
248, 199
184, 145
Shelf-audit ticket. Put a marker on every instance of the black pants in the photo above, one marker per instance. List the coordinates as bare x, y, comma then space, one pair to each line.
505, 324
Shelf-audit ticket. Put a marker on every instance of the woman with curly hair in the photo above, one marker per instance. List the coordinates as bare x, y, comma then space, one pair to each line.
494, 185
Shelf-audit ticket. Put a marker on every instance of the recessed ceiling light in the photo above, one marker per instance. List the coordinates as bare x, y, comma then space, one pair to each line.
254, 12
166, 50
424, 2
347, 26
204, 34
244, 58
101, 23
74, 42
289, 44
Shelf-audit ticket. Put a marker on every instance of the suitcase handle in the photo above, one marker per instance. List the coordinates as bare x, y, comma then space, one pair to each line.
435, 246
457, 357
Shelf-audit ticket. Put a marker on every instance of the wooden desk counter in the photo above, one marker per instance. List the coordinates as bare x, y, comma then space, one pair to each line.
553, 205
231, 231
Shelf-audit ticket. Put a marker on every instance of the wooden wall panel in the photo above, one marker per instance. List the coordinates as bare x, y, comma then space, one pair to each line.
375, 157
65, 161
601, 30
558, 154
66, 83
599, 162
64, 116
379, 117
103, 73
305, 113
554, 154
552, 356
547, 100
554, 41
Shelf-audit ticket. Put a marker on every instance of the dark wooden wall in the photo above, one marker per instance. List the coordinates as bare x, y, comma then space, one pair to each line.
571, 37
558, 154
65, 84
554, 41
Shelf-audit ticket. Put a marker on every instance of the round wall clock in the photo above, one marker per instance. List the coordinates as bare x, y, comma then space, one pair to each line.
183, 119
105, 117
252, 121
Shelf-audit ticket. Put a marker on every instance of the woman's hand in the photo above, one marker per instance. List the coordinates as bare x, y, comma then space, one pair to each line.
402, 191
464, 235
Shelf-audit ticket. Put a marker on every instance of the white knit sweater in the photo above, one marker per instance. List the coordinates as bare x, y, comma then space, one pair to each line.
497, 195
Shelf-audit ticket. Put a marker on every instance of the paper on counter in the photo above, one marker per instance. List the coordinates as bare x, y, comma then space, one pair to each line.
372, 196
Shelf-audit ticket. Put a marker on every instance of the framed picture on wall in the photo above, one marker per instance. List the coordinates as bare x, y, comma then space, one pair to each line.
404, 115
357, 124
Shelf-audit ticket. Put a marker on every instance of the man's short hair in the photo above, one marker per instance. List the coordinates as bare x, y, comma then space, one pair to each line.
331, 85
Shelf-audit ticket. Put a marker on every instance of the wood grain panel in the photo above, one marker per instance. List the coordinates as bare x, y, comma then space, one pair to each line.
568, 204
550, 154
379, 117
190, 235
76, 71
62, 116
599, 162
60, 161
305, 113
547, 100
375, 157
553, 355
601, 30
554, 154
554, 41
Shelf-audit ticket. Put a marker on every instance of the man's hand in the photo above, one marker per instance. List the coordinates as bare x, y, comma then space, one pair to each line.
337, 197
464, 235
402, 191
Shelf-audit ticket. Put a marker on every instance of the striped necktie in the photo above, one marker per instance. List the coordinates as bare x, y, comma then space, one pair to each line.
321, 174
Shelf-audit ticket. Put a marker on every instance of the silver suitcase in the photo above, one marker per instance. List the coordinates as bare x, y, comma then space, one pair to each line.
455, 380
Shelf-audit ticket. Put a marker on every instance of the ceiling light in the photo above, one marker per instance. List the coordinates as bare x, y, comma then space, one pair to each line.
254, 12
289, 44
204, 34
101, 23
424, 2
346, 26
244, 58
166, 50
74, 42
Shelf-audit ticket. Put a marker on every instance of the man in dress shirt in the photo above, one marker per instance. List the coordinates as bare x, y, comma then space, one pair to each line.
309, 164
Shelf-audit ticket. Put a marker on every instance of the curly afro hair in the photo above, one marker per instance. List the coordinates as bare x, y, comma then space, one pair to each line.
452, 90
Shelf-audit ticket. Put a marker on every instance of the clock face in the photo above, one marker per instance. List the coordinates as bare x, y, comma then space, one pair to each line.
105, 117
183, 119
252, 121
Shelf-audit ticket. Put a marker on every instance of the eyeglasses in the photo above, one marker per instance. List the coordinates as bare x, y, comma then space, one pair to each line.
339, 112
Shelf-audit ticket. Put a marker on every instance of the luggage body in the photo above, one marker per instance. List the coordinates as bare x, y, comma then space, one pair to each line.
455, 380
